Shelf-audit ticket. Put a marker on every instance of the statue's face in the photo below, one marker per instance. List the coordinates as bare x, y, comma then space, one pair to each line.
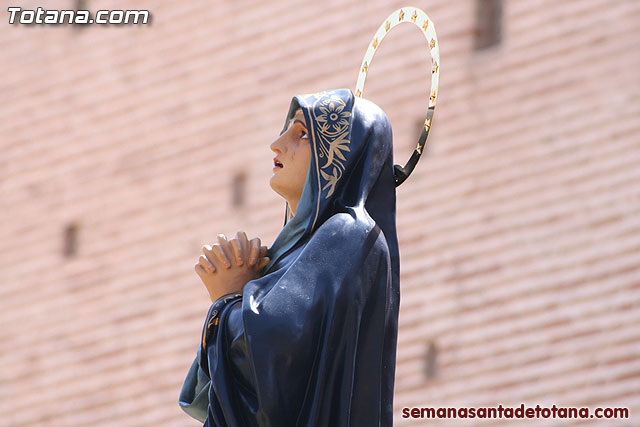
291, 163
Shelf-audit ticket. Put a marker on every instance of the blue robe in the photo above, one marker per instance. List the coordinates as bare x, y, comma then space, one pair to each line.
313, 341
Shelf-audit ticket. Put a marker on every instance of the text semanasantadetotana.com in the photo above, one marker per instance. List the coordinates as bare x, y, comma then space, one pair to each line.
518, 412
18, 15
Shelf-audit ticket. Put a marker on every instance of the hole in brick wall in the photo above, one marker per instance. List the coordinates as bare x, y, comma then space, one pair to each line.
238, 190
431, 360
70, 240
80, 5
488, 27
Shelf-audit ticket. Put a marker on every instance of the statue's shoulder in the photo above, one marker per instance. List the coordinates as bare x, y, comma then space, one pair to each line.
345, 227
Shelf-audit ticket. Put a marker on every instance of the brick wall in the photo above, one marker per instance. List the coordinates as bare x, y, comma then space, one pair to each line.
519, 230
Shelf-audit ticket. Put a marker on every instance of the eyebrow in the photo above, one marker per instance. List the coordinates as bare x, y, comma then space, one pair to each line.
295, 119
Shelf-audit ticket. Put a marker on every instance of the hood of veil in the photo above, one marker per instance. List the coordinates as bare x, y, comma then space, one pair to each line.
350, 170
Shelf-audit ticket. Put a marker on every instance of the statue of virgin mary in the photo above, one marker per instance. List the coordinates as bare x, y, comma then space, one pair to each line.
313, 340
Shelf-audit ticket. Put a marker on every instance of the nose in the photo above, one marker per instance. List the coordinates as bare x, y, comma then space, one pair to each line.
278, 145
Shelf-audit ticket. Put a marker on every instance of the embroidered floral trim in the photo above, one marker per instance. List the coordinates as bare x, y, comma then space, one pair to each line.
332, 137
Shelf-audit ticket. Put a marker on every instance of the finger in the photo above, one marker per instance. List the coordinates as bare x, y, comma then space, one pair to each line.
263, 251
214, 253
226, 247
254, 251
200, 271
263, 263
237, 251
244, 243
206, 264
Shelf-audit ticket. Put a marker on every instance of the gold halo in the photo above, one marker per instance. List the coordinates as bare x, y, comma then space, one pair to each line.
419, 18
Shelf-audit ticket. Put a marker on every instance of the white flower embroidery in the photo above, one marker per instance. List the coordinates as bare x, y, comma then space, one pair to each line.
333, 119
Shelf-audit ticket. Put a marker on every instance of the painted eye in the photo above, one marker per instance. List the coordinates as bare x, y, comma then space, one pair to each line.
304, 135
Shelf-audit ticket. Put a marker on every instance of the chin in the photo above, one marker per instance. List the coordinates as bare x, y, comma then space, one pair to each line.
275, 185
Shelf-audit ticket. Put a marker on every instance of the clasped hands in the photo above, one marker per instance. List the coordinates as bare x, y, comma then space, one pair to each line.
220, 275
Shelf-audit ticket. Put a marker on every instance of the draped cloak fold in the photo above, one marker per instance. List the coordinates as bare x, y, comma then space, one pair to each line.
313, 341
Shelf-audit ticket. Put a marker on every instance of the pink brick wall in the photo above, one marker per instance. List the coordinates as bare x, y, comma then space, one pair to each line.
519, 230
